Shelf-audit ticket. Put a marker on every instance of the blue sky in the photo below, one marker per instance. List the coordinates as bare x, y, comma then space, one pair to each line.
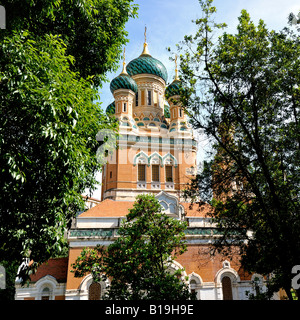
168, 21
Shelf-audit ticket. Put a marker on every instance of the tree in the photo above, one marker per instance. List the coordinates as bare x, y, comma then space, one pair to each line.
93, 30
48, 127
138, 261
294, 20
243, 91
53, 56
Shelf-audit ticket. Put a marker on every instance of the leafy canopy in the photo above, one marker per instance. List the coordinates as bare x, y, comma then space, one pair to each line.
138, 261
47, 142
93, 30
53, 55
243, 91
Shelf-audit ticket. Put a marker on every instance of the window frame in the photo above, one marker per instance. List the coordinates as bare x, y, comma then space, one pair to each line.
152, 173
180, 113
166, 176
138, 172
149, 97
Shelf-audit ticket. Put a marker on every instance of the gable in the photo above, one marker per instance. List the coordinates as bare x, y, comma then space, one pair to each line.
170, 204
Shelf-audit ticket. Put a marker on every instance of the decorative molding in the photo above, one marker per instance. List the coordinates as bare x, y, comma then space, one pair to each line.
202, 232
152, 160
80, 233
170, 159
124, 98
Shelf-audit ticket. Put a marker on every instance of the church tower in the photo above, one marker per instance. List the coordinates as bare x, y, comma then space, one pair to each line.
156, 149
156, 154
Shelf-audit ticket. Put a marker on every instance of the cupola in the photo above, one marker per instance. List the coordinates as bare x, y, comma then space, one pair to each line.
146, 64
123, 81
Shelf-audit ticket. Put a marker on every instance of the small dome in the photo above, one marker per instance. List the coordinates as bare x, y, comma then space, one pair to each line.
173, 89
123, 81
111, 109
147, 64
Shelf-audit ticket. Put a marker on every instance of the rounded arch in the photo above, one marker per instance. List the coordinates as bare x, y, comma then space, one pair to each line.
229, 272
87, 282
174, 266
95, 291
195, 283
195, 277
226, 280
46, 287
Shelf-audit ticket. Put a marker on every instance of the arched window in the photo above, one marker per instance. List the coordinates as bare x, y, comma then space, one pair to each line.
193, 285
155, 172
149, 98
141, 172
180, 112
169, 173
227, 288
46, 294
95, 291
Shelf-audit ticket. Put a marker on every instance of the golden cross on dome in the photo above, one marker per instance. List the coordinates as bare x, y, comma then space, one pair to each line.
145, 50
124, 63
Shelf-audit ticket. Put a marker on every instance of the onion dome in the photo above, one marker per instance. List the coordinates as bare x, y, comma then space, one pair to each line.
123, 81
174, 88
111, 109
145, 63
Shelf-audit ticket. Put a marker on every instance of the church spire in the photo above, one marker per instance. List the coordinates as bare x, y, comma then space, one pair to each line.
124, 71
145, 50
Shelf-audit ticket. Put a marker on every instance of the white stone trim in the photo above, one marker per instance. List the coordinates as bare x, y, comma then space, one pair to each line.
35, 290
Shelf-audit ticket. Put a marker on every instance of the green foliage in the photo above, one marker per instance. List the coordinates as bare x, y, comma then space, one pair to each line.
93, 30
138, 261
48, 125
294, 20
53, 55
243, 90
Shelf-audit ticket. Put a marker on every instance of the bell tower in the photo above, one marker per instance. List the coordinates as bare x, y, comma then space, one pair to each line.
156, 151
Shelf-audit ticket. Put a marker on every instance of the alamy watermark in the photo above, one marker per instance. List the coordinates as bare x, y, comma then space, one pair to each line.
130, 148
2, 278
2, 18
296, 279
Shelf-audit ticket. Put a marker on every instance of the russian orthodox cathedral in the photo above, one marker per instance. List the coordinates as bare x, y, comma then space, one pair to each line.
156, 154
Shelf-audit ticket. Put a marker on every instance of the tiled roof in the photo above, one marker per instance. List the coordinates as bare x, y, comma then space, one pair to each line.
147, 64
113, 208
109, 208
56, 267
196, 209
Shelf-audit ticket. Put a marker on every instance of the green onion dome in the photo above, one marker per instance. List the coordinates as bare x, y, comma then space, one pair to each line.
173, 89
145, 63
123, 81
111, 108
